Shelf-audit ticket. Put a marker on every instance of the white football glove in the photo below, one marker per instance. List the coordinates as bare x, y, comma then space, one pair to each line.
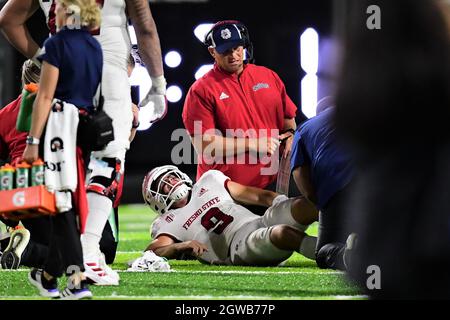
156, 99
150, 262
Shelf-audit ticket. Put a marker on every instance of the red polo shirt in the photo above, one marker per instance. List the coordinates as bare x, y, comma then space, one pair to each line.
256, 102
12, 142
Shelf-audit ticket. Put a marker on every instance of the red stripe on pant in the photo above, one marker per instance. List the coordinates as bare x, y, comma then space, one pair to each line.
80, 198
119, 191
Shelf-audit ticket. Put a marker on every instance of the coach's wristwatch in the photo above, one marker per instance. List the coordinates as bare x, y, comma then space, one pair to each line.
32, 140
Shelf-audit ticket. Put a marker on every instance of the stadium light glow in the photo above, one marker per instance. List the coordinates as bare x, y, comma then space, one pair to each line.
309, 95
203, 70
309, 61
309, 50
172, 59
140, 78
174, 94
201, 30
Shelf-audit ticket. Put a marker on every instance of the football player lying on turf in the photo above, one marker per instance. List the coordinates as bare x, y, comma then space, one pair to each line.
207, 221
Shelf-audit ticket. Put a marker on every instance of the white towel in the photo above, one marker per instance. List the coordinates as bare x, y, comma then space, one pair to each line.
150, 262
60, 147
63, 201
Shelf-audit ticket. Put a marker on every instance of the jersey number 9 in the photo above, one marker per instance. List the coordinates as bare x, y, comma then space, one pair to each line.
216, 219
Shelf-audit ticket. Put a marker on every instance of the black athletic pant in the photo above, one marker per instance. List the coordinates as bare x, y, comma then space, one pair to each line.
65, 253
331, 238
36, 252
108, 244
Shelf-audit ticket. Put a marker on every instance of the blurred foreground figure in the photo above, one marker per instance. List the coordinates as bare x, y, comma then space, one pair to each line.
395, 83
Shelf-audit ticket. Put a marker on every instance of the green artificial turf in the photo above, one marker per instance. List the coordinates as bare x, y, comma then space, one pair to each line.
297, 279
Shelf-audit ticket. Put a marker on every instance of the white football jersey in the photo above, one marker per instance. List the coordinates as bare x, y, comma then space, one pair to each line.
211, 217
113, 33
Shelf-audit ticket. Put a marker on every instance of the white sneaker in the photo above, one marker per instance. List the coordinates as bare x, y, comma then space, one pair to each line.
99, 273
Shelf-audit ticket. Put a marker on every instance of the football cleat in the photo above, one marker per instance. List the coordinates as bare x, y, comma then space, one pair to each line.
17, 243
48, 289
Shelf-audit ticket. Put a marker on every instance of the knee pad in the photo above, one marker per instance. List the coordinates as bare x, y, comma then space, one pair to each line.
105, 177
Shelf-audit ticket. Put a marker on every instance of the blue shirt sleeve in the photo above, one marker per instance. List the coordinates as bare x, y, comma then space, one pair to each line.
53, 51
299, 155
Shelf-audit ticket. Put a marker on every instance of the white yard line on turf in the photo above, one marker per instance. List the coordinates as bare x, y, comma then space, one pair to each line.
240, 272
15, 270
216, 272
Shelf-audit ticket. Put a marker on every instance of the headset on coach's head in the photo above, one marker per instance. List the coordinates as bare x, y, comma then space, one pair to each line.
243, 32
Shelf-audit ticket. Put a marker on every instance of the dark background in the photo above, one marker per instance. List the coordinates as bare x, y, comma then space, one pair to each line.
275, 28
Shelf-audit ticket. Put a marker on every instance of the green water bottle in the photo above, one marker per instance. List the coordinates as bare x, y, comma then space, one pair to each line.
23, 123
37, 173
7, 177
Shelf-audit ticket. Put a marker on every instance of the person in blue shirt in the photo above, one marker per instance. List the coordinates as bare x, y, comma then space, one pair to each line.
392, 109
71, 71
322, 170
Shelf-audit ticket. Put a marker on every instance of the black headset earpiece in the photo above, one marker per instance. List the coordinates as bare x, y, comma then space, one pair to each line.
208, 38
248, 45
